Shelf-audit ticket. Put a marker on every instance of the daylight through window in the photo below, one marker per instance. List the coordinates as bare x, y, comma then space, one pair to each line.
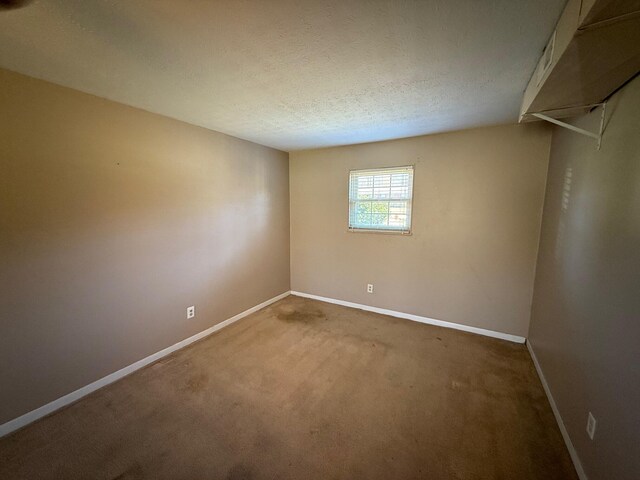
380, 199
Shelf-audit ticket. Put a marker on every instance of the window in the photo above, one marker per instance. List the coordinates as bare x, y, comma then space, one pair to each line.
380, 199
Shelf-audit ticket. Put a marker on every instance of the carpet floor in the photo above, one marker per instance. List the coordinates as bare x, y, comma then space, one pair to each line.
309, 390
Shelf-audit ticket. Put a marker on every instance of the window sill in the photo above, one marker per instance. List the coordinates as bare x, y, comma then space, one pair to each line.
402, 233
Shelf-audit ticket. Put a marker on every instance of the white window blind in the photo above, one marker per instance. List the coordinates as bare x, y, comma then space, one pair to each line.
380, 199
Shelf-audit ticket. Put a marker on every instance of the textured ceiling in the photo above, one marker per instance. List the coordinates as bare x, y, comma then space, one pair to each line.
291, 74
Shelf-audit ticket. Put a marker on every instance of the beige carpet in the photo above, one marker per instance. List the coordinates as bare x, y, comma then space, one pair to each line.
309, 390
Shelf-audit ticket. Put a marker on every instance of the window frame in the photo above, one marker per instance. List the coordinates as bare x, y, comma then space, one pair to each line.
384, 231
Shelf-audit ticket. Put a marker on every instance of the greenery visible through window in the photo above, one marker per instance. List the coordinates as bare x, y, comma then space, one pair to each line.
380, 199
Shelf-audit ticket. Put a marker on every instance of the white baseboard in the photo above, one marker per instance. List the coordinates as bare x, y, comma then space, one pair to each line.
51, 407
416, 318
567, 440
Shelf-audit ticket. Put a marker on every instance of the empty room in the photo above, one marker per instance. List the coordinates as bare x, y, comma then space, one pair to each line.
320, 239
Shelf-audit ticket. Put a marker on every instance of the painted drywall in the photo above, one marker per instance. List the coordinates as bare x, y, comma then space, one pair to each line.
291, 74
112, 222
585, 324
478, 197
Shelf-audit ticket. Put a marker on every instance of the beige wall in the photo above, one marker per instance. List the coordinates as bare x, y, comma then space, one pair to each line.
585, 325
478, 198
114, 220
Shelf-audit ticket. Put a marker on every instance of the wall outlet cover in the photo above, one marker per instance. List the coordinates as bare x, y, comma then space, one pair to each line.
191, 312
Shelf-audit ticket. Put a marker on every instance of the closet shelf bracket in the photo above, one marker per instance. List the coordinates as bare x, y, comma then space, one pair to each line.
597, 136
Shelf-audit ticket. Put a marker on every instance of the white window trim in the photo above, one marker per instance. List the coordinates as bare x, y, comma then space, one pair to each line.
382, 231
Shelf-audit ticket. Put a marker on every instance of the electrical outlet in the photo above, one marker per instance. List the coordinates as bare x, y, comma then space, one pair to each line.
591, 426
191, 312
369, 288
